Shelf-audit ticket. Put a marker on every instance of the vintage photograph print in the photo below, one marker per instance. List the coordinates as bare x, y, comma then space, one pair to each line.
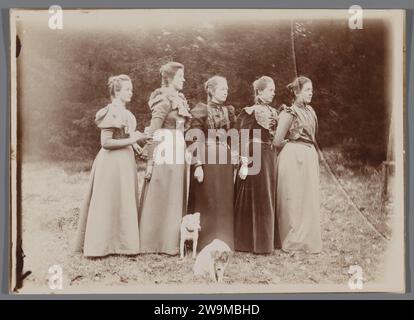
207, 151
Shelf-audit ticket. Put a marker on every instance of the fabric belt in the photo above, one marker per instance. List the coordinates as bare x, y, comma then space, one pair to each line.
304, 142
260, 141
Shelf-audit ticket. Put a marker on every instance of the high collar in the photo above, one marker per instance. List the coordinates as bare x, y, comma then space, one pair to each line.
214, 104
300, 104
117, 103
260, 101
169, 91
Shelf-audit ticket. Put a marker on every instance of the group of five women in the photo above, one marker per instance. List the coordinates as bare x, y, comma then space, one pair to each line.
276, 208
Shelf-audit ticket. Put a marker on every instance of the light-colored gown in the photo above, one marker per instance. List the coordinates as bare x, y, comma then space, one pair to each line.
298, 207
108, 221
164, 196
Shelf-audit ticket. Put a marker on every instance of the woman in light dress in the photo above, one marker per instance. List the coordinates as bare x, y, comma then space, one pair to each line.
298, 208
108, 221
164, 195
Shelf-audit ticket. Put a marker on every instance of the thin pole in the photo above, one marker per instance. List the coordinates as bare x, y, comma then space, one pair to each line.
292, 36
326, 164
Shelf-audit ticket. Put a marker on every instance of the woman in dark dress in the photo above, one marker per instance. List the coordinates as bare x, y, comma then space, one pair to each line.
255, 226
212, 183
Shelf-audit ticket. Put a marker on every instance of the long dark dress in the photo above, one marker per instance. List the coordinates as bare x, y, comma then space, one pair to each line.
255, 225
213, 198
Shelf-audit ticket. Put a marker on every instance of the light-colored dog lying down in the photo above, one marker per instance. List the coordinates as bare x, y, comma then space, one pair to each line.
190, 226
213, 260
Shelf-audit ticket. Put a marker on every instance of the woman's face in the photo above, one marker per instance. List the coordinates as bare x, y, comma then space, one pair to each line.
178, 81
305, 95
220, 92
268, 93
125, 94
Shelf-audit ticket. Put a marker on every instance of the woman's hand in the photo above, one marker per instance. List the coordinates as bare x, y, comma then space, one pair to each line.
199, 174
137, 149
138, 136
280, 146
283, 143
273, 122
243, 172
148, 170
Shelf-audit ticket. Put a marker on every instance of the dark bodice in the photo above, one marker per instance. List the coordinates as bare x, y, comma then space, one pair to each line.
261, 117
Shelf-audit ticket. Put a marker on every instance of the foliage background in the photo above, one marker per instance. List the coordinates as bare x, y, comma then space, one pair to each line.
63, 73
62, 78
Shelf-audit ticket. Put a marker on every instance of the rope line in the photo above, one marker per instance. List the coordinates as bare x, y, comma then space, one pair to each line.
353, 204
325, 163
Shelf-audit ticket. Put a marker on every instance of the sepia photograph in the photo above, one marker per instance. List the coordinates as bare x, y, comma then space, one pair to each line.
207, 150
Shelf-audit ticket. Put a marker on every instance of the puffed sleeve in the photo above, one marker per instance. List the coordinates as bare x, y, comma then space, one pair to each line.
109, 118
196, 140
159, 111
199, 116
286, 118
289, 110
160, 107
246, 119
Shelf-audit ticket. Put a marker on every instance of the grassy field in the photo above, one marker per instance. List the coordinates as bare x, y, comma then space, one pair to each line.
364, 185
52, 194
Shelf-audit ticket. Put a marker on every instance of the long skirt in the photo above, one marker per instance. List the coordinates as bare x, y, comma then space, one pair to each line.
255, 226
164, 197
298, 207
213, 198
108, 220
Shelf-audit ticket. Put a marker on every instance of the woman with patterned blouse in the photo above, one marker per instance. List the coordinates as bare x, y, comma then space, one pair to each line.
212, 183
164, 196
298, 208
255, 226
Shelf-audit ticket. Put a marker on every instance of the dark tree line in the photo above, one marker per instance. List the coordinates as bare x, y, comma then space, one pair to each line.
62, 78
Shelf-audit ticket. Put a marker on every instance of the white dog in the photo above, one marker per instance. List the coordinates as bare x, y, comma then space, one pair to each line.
190, 226
213, 260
